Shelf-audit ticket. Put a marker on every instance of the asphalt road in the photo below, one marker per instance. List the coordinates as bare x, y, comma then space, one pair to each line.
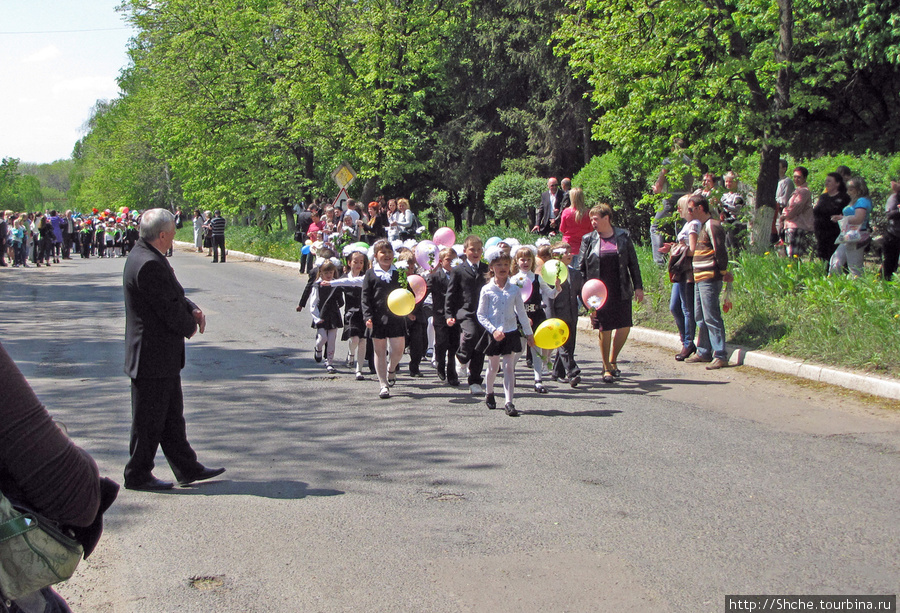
664, 492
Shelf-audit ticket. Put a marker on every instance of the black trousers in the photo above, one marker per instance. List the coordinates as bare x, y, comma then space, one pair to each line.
157, 420
891, 254
565, 365
218, 243
417, 341
446, 344
471, 333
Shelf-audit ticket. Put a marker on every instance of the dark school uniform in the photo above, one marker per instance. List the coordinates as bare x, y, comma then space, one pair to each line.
463, 294
446, 338
330, 301
375, 293
565, 307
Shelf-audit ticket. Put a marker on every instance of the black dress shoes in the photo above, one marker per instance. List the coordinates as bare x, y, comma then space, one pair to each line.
203, 475
150, 485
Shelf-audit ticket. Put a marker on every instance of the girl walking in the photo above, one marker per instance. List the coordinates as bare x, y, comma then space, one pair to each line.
541, 292
500, 311
325, 309
388, 331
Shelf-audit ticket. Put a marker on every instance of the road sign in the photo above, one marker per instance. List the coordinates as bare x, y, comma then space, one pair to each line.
343, 175
341, 200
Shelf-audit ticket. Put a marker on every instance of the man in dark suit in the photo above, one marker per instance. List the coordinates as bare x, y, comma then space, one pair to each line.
158, 318
547, 215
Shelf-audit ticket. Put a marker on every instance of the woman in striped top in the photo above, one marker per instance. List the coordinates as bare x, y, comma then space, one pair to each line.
710, 264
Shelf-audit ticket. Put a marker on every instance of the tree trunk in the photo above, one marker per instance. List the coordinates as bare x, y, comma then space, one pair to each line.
766, 186
288, 209
368, 192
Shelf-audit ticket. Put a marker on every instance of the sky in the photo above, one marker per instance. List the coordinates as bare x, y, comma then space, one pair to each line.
57, 58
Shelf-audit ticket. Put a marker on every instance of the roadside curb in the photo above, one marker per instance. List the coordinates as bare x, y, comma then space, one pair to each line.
737, 355
763, 360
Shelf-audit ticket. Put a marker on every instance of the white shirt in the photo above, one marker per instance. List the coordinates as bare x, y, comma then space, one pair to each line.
500, 307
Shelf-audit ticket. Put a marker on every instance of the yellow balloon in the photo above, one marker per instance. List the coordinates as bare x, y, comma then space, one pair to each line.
553, 269
552, 333
401, 302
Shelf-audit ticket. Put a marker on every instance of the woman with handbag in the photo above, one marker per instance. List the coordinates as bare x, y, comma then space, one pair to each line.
681, 274
855, 232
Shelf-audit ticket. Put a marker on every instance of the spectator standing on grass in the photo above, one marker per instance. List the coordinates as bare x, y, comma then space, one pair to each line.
854, 217
892, 233
710, 268
217, 227
830, 203
732, 203
798, 215
782, 195
547, 213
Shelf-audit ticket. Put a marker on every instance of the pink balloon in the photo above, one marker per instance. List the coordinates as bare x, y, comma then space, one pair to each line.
426, 253
593, 294
445, 237
418, 287
526, 289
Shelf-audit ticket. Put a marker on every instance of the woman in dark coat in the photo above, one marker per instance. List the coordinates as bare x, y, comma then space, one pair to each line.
608, 254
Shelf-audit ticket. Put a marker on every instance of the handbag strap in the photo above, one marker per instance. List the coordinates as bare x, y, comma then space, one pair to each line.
16, 527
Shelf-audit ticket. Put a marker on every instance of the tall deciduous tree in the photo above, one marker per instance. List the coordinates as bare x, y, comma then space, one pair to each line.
730, 77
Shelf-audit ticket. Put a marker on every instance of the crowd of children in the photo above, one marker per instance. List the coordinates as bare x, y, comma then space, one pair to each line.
480, 305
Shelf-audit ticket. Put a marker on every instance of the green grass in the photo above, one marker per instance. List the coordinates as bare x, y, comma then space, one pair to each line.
786, 306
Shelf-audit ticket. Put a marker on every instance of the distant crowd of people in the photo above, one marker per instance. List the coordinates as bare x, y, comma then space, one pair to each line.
45, 238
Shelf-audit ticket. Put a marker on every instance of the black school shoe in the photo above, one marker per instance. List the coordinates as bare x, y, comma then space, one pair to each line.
511, 410
490, 401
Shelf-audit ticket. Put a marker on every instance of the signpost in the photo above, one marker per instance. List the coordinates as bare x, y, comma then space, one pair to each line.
343, 175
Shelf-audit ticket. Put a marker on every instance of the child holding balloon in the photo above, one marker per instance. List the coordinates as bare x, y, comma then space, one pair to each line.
386, 328
501, 310
416, 322
541, 291
564, 306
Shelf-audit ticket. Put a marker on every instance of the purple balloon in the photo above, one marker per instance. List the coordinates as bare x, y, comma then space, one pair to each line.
426, 252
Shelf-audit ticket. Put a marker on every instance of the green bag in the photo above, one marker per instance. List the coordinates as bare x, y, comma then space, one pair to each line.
34, 551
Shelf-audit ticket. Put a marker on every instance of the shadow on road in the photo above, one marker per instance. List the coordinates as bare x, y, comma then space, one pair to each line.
276, 489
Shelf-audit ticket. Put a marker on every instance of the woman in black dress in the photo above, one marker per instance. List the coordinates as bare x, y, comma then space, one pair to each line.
608, 254
831, 202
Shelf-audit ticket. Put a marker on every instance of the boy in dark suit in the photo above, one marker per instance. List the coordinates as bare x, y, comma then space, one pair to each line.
446, 338
463, 294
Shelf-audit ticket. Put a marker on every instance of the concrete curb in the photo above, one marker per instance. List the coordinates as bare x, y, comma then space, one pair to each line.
737, 355
741, 356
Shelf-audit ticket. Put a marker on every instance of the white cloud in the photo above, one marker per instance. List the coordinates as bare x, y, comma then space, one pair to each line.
44, 55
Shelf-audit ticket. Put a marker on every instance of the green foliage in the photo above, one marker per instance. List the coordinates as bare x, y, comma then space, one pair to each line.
18, 192
790, 306
510, 196
607, 178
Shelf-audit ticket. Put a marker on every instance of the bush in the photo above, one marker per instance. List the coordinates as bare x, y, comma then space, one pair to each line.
608, 179
510, 197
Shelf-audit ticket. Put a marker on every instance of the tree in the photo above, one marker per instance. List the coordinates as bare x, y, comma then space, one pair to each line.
731, 78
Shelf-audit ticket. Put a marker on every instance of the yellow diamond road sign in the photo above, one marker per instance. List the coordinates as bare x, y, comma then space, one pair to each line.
343, 175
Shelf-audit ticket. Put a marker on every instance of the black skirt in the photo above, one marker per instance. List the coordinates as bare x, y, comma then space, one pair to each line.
511, 343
